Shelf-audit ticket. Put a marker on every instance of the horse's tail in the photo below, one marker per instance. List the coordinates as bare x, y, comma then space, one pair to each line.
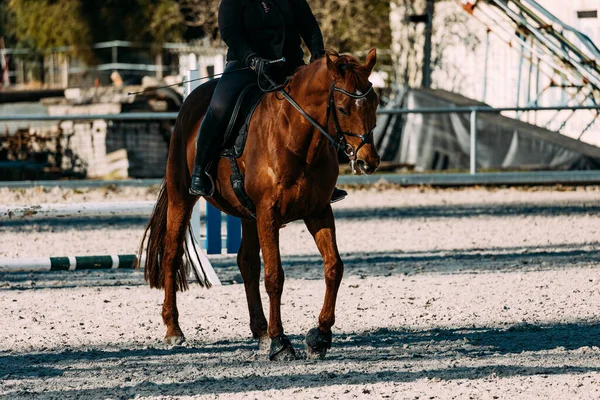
150, 257
152, 248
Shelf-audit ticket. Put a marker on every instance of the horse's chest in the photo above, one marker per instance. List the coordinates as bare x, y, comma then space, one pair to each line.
305, 198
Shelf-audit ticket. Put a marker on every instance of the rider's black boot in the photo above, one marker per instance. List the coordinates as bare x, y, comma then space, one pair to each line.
338, 194
206, 148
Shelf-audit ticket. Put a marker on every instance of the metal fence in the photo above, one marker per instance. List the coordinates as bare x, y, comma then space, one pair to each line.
473, 111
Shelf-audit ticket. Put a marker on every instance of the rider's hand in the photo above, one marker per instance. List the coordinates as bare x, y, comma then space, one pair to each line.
257, 64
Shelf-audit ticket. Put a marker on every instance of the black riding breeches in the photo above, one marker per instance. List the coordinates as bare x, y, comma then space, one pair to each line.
212, 130
213, 127
226, 93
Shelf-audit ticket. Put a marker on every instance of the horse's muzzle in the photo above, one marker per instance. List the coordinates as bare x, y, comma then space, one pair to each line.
366, 168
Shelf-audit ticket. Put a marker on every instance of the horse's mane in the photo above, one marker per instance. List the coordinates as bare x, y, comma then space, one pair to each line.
349, 68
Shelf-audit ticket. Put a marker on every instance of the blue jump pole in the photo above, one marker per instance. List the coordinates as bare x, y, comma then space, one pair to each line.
234, 234
213, 230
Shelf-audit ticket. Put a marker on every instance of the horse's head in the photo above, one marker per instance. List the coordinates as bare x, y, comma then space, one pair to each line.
353, 105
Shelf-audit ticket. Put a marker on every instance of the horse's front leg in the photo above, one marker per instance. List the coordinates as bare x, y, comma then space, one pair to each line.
249, 263
268, 233
322, 227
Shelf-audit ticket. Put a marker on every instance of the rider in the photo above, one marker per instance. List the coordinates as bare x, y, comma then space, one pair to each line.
255, 32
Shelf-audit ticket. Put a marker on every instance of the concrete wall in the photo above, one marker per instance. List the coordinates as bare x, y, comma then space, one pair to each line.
119, 149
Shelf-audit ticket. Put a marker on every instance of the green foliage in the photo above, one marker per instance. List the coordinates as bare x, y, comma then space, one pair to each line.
6, 21
144, 21
43, 24
348, 25
354, 25
46, 24
165, 22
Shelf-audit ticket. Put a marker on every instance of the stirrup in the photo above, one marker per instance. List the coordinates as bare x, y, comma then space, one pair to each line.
198, 191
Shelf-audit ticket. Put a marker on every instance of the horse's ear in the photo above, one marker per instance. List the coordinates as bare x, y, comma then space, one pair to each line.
371, 60
332, 67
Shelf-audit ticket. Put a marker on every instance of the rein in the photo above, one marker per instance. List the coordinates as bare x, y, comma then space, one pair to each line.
339, 141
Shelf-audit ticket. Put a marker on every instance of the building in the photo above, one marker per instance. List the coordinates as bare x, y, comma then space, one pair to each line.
481, 53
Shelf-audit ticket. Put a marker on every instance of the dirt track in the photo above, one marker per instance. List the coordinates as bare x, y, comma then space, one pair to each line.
447, 294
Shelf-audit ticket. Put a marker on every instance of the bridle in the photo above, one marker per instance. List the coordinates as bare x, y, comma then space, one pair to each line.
339, 141
365, 138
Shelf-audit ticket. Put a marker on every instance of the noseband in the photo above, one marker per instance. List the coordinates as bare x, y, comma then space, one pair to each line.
339, 141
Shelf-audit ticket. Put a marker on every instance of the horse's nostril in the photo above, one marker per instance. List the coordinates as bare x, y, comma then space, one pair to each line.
365, 168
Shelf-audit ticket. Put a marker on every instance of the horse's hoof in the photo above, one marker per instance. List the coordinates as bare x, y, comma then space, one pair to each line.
281, 349
264, 344
174, 340
317, 343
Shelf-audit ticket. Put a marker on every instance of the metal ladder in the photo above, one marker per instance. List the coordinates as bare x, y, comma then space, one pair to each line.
566, 56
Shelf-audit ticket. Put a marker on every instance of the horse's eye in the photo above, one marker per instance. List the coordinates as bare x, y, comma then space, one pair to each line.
342, 111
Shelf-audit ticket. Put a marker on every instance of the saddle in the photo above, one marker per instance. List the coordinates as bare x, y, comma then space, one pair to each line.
235, 140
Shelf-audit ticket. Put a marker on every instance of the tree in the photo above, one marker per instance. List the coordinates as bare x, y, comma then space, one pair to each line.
43, 24
450, 29
201, 14
46, 24
353, 25
6, 21
142, 21
347, 25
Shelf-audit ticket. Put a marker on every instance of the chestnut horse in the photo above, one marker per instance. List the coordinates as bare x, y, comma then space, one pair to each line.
290, 164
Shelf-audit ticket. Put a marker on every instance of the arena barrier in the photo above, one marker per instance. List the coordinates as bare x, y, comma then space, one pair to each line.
75, 210
80, 263
120, 209
213, 216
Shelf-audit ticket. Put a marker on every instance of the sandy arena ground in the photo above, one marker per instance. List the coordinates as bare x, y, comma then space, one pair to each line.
466, 294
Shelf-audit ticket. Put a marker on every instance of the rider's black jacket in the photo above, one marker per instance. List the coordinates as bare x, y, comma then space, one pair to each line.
270, 28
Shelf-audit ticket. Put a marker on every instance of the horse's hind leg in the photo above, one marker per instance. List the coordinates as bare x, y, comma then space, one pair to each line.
249, 263
178, 216
322, 227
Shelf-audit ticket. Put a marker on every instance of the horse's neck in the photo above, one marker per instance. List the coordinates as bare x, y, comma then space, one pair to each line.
304, 139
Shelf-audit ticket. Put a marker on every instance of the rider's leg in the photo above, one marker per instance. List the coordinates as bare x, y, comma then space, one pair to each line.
212, 129
206, 145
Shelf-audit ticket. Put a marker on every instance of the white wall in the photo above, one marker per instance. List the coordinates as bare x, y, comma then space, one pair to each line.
463, 69
191, 61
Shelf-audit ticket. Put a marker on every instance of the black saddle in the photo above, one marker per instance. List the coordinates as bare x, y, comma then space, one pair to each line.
235, 140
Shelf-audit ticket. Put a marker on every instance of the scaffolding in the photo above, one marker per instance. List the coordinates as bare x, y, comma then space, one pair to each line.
564, 55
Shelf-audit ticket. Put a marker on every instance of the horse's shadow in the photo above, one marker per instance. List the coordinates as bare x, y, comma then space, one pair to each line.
558, 208
514, 339
387, 356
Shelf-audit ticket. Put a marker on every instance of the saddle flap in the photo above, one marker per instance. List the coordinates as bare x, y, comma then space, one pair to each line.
237, 129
